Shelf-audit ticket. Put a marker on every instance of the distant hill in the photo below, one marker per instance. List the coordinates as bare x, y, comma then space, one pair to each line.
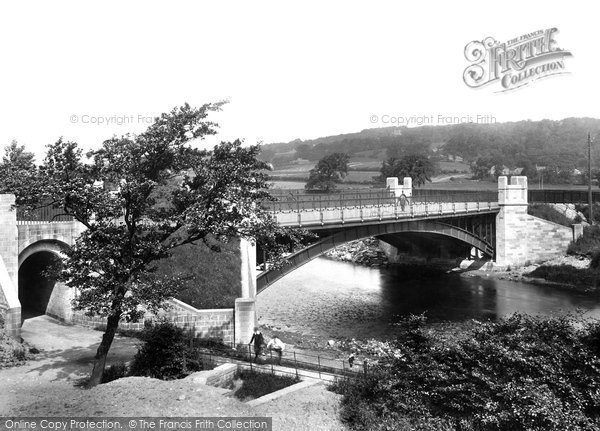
558, 144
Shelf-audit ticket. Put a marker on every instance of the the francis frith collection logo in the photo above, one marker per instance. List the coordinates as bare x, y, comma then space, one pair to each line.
515, 63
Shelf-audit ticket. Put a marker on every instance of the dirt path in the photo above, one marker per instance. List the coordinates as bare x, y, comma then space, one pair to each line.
47, 386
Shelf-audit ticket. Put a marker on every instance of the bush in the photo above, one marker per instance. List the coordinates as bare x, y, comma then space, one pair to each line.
587, 243
114, 372
568, 274
256, 384
166, 353
522, 373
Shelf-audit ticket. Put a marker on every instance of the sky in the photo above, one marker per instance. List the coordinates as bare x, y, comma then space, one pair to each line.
89, 70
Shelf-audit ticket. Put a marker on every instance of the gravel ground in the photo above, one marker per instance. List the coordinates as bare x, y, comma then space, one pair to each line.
48, 387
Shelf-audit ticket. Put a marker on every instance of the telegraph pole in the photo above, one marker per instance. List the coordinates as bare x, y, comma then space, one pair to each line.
591, 220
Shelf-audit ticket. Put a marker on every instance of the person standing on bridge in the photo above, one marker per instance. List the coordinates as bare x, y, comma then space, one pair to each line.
259, 342
402, 201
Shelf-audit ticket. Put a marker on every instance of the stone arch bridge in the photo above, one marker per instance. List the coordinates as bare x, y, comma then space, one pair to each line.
495, 223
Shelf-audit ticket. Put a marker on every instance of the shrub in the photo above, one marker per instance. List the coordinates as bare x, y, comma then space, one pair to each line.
586, 243
166, 353
568, 274
255, 385
522, 373
114, 372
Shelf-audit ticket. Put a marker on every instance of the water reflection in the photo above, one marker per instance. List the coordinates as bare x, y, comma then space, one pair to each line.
337, 299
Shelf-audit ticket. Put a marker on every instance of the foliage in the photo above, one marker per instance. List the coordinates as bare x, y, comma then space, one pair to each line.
587, 243
205, 268
559, 146
165, 354
13, 352
548, 212
114, 372
329, 171
521, 373
255, 384
17, 171
584, 278
482, 168
415, 166
140, 197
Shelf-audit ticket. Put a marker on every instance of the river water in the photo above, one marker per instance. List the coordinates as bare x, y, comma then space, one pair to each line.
332, 299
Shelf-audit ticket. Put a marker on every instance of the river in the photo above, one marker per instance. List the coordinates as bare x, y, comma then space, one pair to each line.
332, 299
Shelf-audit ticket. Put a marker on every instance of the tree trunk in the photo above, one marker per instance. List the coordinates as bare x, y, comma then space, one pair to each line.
112, 323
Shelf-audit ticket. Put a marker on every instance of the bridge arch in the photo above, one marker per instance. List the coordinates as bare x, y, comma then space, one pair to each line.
313, 251
39, 294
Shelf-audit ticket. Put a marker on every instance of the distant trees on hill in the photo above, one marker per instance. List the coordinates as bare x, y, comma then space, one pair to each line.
329, 171
418, 167
559, 146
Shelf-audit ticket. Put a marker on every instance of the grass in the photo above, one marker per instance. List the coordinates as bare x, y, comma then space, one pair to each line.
12, 352
256, 385
582, 279
216, 275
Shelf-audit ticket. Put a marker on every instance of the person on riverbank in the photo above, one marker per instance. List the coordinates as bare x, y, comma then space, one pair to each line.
259, 342
277, 345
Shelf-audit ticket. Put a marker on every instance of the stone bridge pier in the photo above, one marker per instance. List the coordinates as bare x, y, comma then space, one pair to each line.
521, 237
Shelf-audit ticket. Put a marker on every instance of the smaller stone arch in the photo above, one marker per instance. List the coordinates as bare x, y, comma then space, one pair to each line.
50, 245
39, 294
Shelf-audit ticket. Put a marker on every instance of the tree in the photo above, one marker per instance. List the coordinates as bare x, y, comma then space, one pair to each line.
17, 170
417, 167
328, 172
217, 194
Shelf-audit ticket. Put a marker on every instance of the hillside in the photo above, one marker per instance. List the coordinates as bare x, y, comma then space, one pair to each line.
550, 143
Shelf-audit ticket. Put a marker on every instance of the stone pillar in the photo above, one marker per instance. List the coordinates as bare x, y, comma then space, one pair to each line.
511, 221
245, 319
245, 307
248, 268
399, 189
10, 307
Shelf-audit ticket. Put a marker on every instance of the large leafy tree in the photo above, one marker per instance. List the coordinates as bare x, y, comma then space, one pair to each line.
141, 196
416, 166
328, 172
17, 171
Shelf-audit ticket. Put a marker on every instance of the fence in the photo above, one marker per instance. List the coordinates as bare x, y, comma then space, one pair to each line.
291, 362
298, 200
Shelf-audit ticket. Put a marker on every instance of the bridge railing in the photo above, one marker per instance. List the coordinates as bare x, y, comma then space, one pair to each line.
296, 201
43, 214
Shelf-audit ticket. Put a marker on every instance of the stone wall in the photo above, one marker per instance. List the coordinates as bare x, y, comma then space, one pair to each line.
521, 237
31, 232
59, 304
217, 324
547, 240
10, 307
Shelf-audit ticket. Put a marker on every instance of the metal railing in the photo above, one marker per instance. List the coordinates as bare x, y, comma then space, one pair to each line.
297, 200
43, 214
292, 362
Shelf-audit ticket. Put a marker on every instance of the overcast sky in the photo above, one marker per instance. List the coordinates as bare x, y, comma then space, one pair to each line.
300, 70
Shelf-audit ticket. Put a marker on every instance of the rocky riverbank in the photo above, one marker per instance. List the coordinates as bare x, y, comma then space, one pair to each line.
361, 252
564, 272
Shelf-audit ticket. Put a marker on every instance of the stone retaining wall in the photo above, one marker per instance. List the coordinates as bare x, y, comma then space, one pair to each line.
547, 240
215, 324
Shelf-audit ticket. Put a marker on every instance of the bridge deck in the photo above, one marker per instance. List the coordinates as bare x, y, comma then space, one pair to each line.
374, 213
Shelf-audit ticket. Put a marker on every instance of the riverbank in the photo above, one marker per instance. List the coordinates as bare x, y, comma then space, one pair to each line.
361, 252
572, 273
